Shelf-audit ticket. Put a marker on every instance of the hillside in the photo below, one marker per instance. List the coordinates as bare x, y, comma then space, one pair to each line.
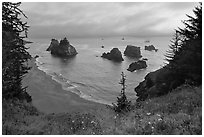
179, 112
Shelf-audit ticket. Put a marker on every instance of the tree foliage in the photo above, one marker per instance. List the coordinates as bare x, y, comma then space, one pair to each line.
185, 54
122, 102
14, 54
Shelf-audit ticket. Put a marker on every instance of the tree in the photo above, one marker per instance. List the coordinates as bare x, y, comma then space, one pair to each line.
14, 54
185, 54
193, 26
122, 103
174, 47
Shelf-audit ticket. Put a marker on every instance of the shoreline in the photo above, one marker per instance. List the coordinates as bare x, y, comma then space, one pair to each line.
48, 96
67, 86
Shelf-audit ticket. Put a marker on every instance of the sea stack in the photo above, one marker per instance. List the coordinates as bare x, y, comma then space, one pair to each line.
62, 49
114, 55
137, 65
150, 48
132, 51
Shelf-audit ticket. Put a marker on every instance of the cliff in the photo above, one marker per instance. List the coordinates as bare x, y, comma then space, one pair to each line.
158, 83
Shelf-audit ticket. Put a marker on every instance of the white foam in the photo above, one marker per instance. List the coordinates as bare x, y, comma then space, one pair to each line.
72, 88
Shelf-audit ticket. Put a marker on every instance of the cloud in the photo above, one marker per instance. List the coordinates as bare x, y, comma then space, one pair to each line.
104, 19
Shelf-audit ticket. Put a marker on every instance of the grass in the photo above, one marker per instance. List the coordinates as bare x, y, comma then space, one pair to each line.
179, 112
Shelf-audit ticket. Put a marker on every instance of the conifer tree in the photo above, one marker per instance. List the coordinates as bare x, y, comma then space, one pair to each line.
186, 61
14, 54
122, 103
173, 48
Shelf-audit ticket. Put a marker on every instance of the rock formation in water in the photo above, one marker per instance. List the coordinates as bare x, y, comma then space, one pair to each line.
137, 65
132, 51
54, 43
114, 55
62, 49
150, 48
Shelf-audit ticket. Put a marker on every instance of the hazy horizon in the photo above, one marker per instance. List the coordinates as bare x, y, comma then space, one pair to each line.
111, 19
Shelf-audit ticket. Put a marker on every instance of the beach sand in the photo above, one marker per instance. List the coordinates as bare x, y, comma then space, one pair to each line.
49, 97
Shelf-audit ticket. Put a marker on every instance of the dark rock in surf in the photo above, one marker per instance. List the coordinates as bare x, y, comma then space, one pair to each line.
137, 65
114, 55
132, 51
62, 49
150, 48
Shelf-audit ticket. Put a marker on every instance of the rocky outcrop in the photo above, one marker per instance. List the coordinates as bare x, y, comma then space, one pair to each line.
54, 43
114, 55
62, 49
157, 83
132, 51
137, 65
150, 48
147, 88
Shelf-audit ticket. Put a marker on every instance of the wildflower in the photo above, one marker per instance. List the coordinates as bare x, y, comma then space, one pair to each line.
92, 122
152, 127
72, 121
148, 114
149, 122
82, 122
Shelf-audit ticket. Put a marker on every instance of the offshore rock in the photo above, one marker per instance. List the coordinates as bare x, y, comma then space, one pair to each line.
132, 51
137, 65
150, 48
62, 49
114, 55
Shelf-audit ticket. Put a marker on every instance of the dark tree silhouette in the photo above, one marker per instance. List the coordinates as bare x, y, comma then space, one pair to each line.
193, 26
122, 103
185, 54
174, 47
14, 54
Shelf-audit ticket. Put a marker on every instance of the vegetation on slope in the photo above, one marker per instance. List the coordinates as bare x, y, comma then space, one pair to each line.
179, 112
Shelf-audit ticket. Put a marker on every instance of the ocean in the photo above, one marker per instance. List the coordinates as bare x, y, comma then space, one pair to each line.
92, 77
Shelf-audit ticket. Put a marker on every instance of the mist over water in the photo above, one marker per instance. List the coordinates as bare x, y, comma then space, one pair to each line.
95, 78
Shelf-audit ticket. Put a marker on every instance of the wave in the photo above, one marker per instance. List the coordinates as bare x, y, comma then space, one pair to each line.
69, 86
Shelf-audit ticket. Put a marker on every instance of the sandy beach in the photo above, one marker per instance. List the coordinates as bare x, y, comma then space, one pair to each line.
49, 97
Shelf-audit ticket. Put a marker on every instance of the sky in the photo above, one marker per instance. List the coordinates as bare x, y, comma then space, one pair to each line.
82, 20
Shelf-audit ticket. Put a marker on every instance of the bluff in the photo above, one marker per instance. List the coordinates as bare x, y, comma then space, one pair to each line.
132, 51
114, 55
158, 83
62, 49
